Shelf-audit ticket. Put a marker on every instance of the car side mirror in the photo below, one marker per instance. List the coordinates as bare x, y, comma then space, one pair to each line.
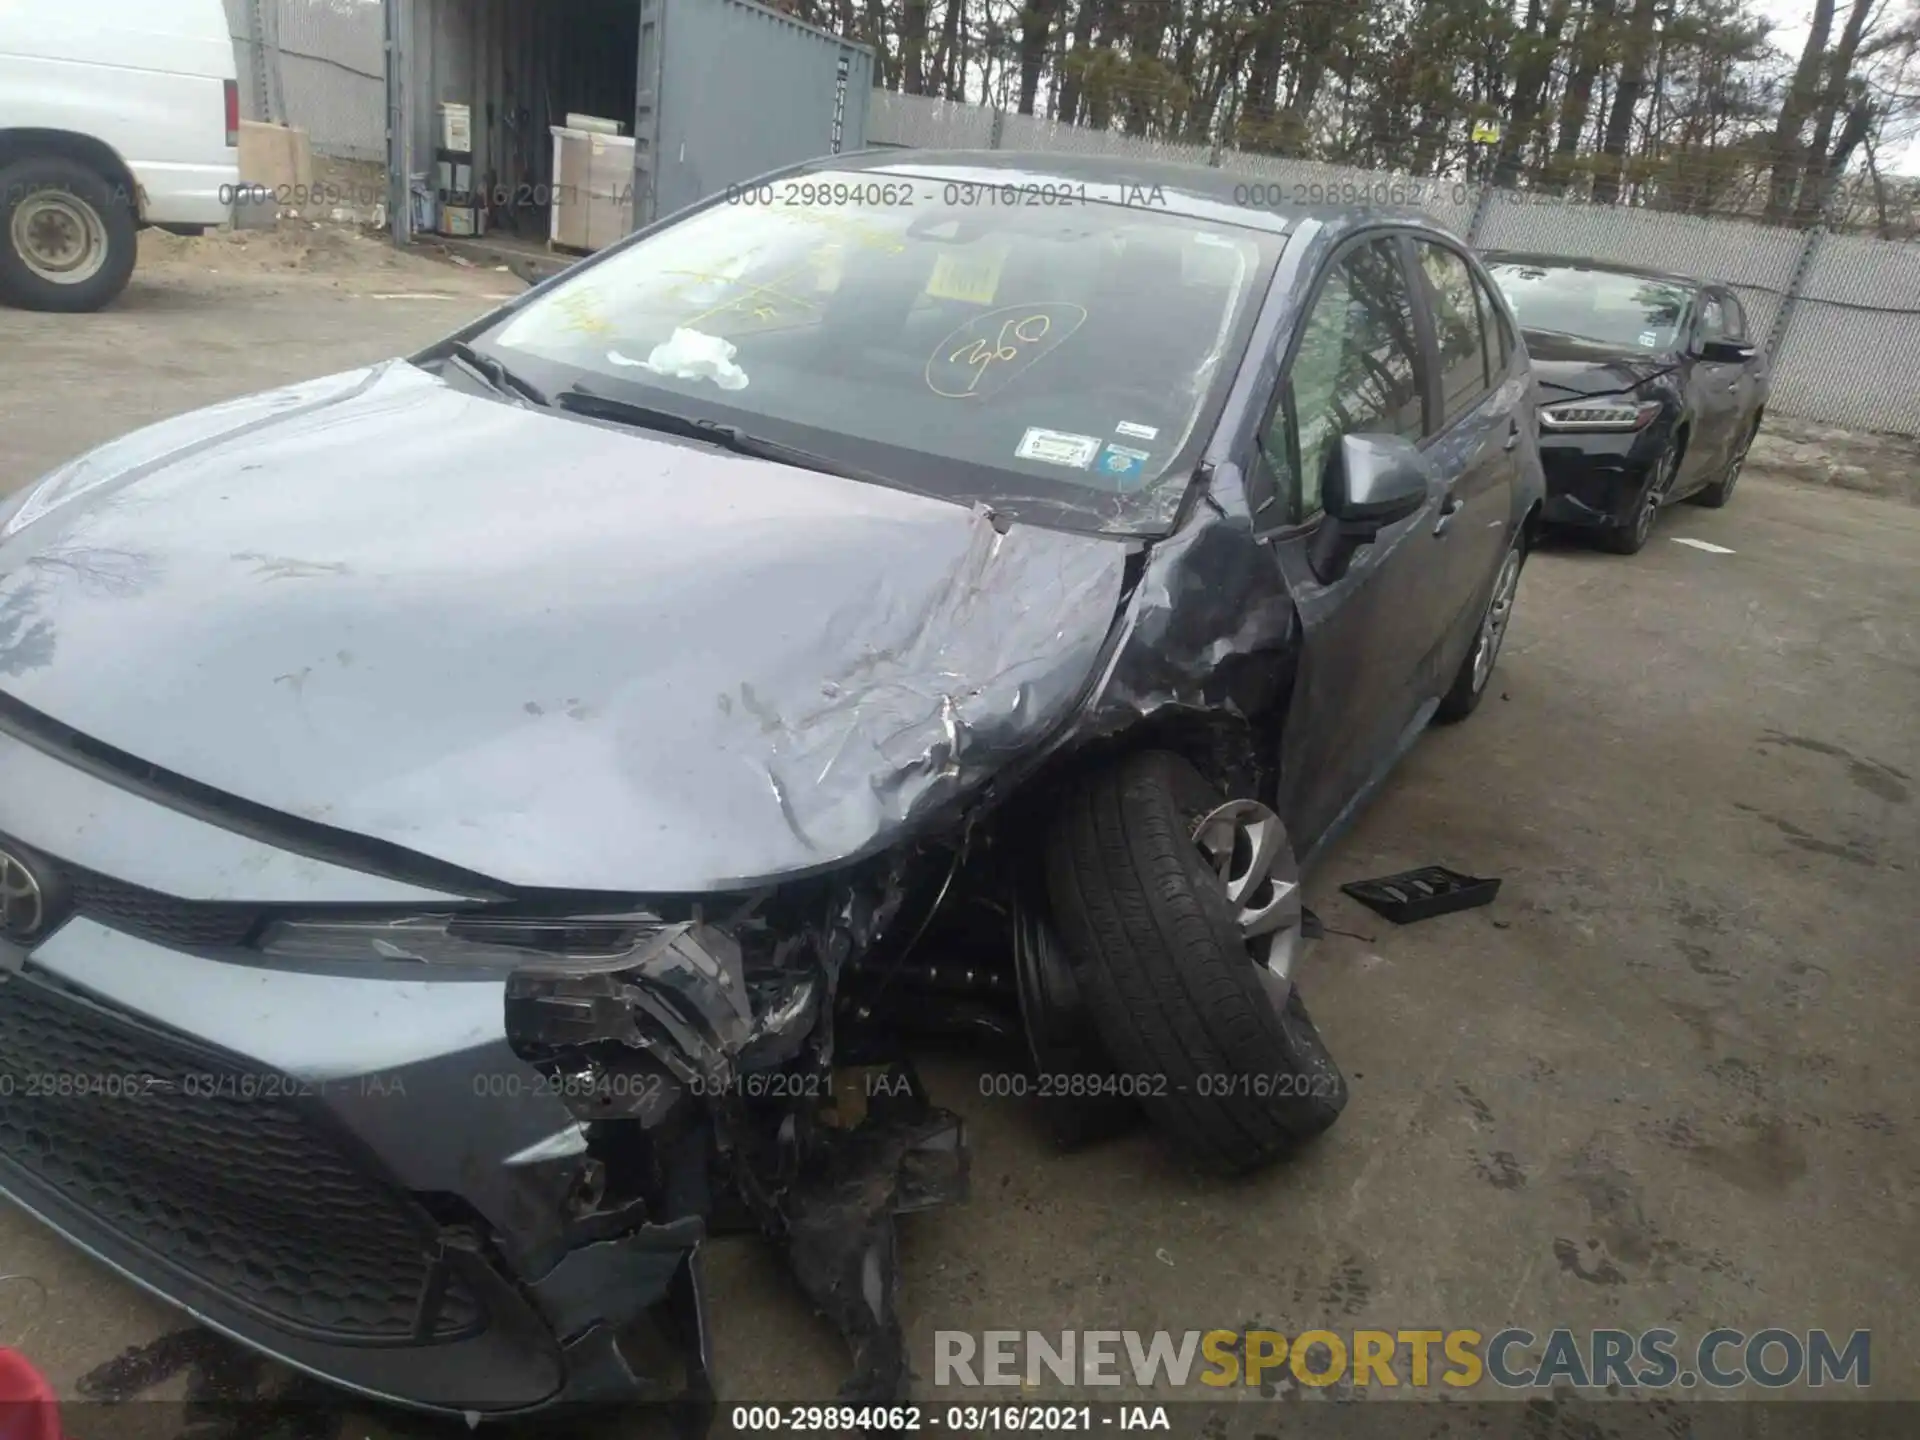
1371, 482
1726, 352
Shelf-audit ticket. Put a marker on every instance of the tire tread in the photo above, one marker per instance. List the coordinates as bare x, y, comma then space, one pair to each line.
1169, 984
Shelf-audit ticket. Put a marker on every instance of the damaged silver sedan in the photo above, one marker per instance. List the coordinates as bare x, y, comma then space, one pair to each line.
464, 822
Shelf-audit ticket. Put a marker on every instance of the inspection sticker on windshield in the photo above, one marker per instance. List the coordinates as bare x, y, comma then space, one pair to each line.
1122, 463
1057, 447
974, 279
1134, 431
1648, 339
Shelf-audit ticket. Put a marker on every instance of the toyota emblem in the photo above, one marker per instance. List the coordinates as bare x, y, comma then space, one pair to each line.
23, 905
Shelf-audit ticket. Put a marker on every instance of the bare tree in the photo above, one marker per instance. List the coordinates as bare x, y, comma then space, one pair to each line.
1677, 103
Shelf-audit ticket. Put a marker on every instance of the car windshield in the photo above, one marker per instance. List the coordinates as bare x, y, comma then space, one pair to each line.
1063, 355
1629, 312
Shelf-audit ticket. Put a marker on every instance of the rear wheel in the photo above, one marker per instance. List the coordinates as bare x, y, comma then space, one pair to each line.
1470, 683
1721, 491
67, 237
1181, 914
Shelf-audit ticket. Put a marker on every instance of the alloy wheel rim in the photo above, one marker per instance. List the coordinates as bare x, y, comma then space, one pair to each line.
59, 237
1656, 492
1245, 845
1493, 626
1733, 470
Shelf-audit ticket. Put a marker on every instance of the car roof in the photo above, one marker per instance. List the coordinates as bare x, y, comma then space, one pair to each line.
1196, 191
1587, 262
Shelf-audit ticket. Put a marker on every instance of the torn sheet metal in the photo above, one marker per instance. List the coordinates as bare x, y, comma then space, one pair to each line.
1205, 627
634, 1321
839, 1220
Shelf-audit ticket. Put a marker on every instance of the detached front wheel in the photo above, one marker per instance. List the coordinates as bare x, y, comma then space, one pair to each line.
1181, 914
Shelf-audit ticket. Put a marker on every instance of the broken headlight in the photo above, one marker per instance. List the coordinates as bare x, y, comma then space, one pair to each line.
681, 990
572, 945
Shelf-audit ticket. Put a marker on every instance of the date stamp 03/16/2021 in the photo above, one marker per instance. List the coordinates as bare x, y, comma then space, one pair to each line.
763, 1085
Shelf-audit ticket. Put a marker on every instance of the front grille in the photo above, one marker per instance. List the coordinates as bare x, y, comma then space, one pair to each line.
156, 1140
162, 919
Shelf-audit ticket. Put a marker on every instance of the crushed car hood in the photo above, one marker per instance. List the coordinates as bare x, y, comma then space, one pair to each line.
551, 652
1565, 365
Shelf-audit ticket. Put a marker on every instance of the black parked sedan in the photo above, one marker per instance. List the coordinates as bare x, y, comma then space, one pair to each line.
1650, 389
490, 801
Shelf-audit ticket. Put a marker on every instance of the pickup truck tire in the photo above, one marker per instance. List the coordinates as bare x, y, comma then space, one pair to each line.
1233, 1076
67, 236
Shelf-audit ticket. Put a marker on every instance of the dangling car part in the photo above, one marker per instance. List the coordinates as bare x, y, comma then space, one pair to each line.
493, 857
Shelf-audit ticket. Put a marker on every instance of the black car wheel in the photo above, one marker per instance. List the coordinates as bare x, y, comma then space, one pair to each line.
1061, 1037
1721, 491
1470, 682
1631, 535
1181, 914
67, 240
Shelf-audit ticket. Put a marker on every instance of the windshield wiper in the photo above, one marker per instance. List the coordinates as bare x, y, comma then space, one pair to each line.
498, 375
581, 401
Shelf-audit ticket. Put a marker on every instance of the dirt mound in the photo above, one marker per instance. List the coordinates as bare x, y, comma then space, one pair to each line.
294, 245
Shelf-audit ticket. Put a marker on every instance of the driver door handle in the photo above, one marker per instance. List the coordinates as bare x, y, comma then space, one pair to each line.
1453, 506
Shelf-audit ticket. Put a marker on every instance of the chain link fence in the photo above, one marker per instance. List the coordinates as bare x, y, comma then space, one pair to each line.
317, 64
1840, 314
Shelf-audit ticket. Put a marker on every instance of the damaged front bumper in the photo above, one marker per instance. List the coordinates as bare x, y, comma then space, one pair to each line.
480, 1194
702, 1064
1594, 480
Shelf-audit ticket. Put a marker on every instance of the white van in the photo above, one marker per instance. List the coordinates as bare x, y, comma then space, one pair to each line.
114, 114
